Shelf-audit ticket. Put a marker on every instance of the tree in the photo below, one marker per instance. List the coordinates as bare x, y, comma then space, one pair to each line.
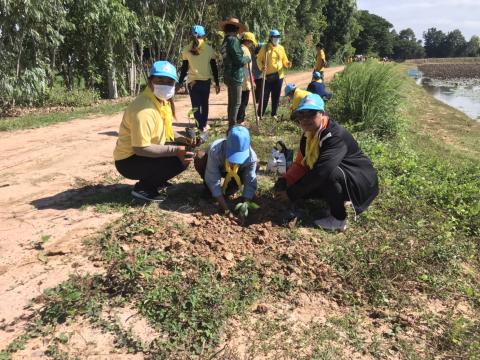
473, 47
406, 46
375, 36
434, 41
342, 27
455, 44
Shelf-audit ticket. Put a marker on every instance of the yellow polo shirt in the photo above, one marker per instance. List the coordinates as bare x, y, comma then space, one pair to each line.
199, 65
277, 59
321, 60
143, 124
298, 95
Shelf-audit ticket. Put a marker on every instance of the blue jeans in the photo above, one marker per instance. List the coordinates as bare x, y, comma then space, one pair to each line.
199, 94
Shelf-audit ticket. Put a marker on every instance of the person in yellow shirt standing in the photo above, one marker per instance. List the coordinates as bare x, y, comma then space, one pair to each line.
199, 61
321, 61
272, 60
248, 46
141, 152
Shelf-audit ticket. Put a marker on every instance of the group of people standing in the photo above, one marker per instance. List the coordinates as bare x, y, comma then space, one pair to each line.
329, 163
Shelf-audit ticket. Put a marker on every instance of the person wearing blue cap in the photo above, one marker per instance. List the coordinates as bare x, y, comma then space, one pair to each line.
295, 94
329, 165
141, 152
232, 159
199, 61
272, 59
317, 86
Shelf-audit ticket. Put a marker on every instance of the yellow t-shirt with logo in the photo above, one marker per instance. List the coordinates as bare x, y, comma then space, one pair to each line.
298, 95
277, 59
145, 122
199, 65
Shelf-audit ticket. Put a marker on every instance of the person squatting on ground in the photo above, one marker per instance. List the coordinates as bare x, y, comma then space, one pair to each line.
295, 95
272, 59
329, 165
200, 64
141, 152
232, 159
248, 46
233, 61
321, 59
317, 86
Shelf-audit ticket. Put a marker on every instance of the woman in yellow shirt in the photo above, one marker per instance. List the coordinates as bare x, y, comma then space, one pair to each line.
272, 60
141, 152
321, 60
199, 61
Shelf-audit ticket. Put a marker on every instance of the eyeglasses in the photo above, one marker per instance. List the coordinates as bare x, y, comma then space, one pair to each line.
305, 116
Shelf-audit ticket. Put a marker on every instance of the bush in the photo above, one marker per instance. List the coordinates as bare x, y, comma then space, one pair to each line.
368, 95
59, 96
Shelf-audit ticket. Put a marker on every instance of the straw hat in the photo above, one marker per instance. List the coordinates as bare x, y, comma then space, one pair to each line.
233, 21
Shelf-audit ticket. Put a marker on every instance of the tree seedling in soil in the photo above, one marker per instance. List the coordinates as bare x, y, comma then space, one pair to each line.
243, 209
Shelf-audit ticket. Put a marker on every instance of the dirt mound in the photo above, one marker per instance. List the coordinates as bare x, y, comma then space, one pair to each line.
450, 71
224, 243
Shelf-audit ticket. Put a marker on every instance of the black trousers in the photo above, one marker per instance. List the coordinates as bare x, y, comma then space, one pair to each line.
334, 192
199, 91
274, 88
151, 172
243, 106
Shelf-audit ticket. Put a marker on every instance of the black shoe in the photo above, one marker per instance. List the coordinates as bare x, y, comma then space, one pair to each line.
152, 196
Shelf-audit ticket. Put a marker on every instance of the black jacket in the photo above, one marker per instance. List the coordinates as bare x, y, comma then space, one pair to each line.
339, 148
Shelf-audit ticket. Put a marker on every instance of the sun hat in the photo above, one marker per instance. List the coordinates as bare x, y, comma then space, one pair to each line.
238, 145
164, 68
198, 30
274, 33
289, 88
311, 102
250, 37
233, 21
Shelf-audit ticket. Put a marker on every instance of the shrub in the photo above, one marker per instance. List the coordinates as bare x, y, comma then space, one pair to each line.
369, 95
60, 96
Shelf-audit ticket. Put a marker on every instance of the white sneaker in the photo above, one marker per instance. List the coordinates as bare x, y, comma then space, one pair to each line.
331, 223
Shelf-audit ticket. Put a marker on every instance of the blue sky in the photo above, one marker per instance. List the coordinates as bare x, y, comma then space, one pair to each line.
420, 15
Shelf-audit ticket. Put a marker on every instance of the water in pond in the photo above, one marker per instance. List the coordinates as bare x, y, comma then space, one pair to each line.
462, 94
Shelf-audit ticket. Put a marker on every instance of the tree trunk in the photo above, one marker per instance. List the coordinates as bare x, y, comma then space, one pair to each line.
111, 73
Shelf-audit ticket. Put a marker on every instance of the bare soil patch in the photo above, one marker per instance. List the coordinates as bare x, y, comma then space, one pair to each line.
450, 71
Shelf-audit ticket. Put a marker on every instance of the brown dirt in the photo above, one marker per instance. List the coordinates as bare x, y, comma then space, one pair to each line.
39, 172
450, 71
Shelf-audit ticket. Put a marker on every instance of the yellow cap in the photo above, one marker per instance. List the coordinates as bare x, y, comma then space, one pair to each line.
250, 36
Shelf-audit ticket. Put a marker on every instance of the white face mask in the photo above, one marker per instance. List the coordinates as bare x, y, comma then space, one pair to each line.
276, 41
164, 92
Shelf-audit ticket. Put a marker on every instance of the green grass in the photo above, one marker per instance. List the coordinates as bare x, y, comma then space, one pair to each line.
40, 120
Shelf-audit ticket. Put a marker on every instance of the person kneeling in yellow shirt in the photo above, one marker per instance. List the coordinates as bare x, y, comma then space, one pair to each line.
141, 152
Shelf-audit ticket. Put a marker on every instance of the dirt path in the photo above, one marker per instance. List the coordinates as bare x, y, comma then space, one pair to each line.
39, 172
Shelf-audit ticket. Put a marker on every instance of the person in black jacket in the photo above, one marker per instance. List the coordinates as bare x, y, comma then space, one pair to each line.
317, 86
329, 165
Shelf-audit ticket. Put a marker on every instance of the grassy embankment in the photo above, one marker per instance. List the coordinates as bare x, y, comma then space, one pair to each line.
402, 281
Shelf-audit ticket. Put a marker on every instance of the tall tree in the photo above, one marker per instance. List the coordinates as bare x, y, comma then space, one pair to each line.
375, 36
406, 46
473, 47
455, 44
342, 26
434, 41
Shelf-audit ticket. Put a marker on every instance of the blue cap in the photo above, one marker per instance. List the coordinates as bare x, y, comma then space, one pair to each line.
274, 32
198, 30
238, 145
289, 88
317, 75
164, 68
311, 102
